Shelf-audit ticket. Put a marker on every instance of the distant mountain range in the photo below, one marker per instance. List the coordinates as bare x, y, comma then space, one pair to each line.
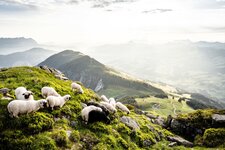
11, 45
196, 67
30, 57
108, 81
94, 75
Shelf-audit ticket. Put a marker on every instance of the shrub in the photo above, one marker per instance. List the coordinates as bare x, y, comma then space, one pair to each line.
214, 137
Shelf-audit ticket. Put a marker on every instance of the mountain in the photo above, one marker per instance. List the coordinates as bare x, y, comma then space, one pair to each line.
102, 79
26, 58
11, 45
197, 67
63, 128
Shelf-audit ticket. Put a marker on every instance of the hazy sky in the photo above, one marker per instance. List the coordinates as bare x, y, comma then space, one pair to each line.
93, 22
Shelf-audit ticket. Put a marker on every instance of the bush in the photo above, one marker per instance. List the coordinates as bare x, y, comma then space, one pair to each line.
214, 137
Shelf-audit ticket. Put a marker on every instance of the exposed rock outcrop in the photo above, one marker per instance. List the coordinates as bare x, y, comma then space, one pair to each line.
130, 122
180, 141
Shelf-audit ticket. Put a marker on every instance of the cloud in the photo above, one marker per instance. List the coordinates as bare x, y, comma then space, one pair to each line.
105, 3
218, 29
15, 6
153, 11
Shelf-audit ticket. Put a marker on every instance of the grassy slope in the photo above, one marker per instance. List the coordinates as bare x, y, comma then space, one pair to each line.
48, 129
76, 66
163, 107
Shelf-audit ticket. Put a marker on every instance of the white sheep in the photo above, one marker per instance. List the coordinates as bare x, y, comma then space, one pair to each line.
57, 101
109, 107
49, 91
85, 112
122, 107
17, 107
77, 87
112, 101
22, 94
104, 98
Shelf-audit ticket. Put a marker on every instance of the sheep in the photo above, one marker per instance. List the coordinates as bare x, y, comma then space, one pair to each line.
122, 107
112, 101
49, 91
109, 107
17, 107
95, 116
22, 94
85, 112
106, 111
57, 101
104, 98
77, 87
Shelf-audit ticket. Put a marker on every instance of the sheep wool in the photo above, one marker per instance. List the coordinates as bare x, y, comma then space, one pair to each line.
86, 110
112, 101
17, 107
77, 87
122, 107
104, 98
49, 91
57, 101
22, 94
109, 107
95, 116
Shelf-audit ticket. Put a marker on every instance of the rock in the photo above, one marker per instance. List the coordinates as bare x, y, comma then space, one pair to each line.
218, 118
68, 133
151, 116
180, 141
176, 124
73, 123
4, 90
160, 121
172, 144
147, 143
130, 122
58, 74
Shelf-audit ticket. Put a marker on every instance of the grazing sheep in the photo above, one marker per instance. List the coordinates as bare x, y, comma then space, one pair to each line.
49, 91
22, 94
104, 98
122, 107
95, 116
17, 107
99, 105
112, 101
85, 112
57, 101
109, 107
77, 87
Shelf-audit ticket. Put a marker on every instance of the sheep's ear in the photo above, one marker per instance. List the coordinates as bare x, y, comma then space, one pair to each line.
32, 93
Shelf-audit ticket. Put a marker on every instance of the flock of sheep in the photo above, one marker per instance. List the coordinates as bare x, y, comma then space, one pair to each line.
91, 112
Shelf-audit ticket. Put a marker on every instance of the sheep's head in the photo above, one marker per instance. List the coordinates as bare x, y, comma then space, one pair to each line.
67, 97
28, 95
43, 103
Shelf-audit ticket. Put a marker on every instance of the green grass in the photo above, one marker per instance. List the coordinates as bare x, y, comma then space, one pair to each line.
48, 129
32, 130
165, 106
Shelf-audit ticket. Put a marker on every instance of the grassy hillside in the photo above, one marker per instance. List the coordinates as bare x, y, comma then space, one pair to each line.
163, 107
79, 67
63, 128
